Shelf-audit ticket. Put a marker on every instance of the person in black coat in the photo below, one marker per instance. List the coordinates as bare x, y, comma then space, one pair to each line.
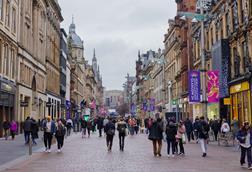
100, 125
110, 132
171, 131
156, 136
34, 130
215, 126
189, 129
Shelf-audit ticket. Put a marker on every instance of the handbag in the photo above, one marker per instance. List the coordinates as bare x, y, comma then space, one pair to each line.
183, 138
126, 131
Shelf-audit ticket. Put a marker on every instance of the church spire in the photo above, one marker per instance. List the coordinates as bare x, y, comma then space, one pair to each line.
72, 26
94, 56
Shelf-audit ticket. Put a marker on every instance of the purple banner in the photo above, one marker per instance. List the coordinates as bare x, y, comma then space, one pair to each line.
145, 105
152, 104
194, 86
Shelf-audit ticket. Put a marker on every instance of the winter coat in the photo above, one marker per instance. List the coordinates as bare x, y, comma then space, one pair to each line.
171, 131
13, 126
203, 129
99, 123
27, 125
53, 127
156, 131
181, 131
241, 136
215, 126
34, 129
121, 127
188, 126
110, 126
60, 131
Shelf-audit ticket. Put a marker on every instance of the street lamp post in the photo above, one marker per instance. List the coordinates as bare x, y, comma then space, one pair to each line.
200, 17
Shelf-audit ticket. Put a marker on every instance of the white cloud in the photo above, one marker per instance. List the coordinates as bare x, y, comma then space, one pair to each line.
117, 29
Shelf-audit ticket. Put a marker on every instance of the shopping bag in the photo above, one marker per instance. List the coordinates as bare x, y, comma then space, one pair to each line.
183, 138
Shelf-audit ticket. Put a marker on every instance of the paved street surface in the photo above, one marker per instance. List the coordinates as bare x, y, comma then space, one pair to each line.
90, 155
13, 149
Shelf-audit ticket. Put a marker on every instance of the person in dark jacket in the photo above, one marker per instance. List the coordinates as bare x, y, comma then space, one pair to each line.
6, 127
203, 129
244, 137
171, 131
195, 128
156, 136
215, 126
34, 131
189, 129
100, 125
110, 132
121, 127
60, 133
83, 124
27, 129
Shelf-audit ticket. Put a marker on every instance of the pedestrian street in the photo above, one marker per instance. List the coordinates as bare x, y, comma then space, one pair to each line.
91, 155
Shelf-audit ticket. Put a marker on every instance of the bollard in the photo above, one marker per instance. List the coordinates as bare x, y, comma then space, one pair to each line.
30, 146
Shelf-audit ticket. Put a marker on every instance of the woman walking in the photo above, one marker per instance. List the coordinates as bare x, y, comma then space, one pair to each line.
49, 129
110, 132
13, 129
156, 136
60, 133
171, 131
180, 137
244, 137
121, 127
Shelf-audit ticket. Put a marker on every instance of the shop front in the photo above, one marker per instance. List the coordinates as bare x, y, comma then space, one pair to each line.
213, 110
7, 102
240, 100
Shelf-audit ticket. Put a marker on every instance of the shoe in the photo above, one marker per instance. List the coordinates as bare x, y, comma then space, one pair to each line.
204, 155
250, 168
243, 165
45, 150
169, 156
173, 156
58, 150
49, 151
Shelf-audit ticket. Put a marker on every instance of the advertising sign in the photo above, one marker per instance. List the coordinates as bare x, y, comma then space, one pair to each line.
152, 104
194, 86
213, 86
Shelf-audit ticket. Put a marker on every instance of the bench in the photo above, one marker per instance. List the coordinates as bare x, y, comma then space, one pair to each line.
225, 138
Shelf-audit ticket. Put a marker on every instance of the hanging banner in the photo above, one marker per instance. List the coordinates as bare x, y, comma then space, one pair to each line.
145, 105
213, 86
152, 104
194, 86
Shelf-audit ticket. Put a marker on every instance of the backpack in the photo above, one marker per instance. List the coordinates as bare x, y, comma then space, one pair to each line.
205, 129
111, 131
122, 129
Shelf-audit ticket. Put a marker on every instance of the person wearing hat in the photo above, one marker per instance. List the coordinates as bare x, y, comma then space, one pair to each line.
244, 137
49, 128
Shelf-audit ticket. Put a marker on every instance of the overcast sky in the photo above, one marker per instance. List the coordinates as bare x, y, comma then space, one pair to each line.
117, 29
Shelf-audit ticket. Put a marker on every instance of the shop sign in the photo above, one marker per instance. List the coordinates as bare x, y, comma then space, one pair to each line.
239, 87
227, 101
6, 87
194, 86
48, 104
24, 104
213, 86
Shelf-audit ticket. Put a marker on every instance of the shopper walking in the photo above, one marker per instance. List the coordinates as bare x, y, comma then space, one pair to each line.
69, 125
203, 129
171, 131
6, 127
27, 129
244, 137
195, 129
60, 133
13, 129
189, 129
83, 124
121, 127
49, 129
110, 132
34, 131
181, 137
156, 135
100, 125
215, 126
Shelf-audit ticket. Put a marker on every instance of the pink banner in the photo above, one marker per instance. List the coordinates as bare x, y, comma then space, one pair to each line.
213, 86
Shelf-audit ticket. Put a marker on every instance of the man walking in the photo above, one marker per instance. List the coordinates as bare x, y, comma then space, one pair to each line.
203, 129
6, 127
121, 127
110, 131
27, 129
100, 125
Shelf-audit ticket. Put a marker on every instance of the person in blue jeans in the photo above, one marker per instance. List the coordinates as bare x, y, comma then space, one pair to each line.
244, 137
171, 131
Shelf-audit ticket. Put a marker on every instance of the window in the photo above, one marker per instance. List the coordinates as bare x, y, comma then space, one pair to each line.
227, 24
1, 9
12, 64
14, 20
7, 15
5, 62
